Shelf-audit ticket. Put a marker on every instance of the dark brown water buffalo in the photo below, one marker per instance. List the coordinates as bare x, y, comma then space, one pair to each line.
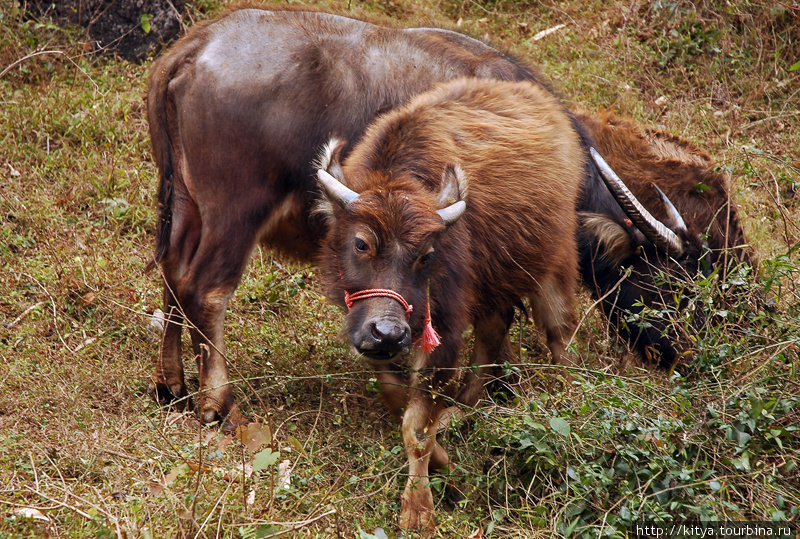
646, 159
460, 204
238, 110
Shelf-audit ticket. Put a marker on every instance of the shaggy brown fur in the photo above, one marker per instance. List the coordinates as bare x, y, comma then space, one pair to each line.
686, 174
522, 172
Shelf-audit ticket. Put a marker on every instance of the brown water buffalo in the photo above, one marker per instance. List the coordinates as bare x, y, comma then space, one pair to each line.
460, 204
237, 111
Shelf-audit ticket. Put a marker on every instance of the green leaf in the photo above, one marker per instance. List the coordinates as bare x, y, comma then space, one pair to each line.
264, 459
571, 527
297, 445
379, 534
700, 187
795, 67
715, 485
528, 420
145, 22
575, 509
757, 405
560, 426
742, 464
573, 475
542, 447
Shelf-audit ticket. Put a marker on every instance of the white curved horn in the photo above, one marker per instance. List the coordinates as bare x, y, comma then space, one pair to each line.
656, 231
337, 191
671, 209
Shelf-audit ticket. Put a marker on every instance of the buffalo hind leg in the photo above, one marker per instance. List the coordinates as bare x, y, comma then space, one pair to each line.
168, 384
554, 314
206, 315
205, 290
492, 346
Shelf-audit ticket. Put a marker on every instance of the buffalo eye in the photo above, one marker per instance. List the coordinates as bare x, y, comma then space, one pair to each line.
427, 258
361, 245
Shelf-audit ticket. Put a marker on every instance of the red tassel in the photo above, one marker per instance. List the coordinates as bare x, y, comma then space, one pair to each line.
430, 339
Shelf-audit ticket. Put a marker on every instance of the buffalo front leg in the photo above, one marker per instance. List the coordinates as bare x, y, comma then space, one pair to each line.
432, 373
394, 392
420, 423
394, 388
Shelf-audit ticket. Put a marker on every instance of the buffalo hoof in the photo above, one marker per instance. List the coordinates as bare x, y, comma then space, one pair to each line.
416, 512
169, 395
229, 417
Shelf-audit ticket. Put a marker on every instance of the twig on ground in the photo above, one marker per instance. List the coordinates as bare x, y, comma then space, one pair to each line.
39, 53
125, 456
294, 526
87, 516
213, 509
25, 313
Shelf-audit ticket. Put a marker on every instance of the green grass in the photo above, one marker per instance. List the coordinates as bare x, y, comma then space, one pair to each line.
82, 445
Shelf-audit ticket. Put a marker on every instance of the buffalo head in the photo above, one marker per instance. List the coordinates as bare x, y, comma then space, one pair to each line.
662, 256
384, 245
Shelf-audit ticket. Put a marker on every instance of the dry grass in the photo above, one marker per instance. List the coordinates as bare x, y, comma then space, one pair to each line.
83, 452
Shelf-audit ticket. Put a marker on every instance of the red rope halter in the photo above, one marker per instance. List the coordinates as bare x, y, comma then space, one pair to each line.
430, 339
375, 293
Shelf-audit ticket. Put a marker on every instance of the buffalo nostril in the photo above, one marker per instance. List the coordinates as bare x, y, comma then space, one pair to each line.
388, 332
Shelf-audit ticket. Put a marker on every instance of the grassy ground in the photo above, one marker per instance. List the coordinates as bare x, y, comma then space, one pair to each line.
84, 453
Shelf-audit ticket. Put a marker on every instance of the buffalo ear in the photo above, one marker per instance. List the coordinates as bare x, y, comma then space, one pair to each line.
452, 194
614, 241
454, 186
